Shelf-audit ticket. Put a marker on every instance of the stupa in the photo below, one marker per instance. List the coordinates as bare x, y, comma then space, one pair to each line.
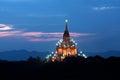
64, 48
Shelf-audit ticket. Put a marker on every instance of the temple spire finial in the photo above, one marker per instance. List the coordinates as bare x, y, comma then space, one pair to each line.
66, 35
66, 21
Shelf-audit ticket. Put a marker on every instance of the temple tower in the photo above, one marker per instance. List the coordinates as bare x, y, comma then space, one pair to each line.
66, 47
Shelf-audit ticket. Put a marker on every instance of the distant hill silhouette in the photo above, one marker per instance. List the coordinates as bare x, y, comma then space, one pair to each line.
104, 54
16, 55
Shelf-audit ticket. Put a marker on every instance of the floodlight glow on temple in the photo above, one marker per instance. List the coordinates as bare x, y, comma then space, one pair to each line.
65, 47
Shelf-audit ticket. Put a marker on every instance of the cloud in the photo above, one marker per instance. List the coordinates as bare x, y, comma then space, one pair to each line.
52, 34
9, 31
43, 39
48, 36
105, 8
73, 34
5, 27
32, 34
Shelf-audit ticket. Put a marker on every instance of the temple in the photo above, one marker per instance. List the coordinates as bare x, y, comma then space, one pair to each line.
65, 47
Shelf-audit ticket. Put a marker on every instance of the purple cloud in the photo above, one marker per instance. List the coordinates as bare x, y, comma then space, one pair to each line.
9, 31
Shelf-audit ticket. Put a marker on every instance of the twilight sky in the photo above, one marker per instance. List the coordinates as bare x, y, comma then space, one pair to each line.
39, 24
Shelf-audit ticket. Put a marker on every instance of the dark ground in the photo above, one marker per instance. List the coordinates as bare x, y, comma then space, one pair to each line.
73, 68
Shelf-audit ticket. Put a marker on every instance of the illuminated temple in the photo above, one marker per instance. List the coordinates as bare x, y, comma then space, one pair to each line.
64, 48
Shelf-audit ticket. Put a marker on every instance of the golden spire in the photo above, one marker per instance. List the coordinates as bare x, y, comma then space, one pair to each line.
66, 21
66, 32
